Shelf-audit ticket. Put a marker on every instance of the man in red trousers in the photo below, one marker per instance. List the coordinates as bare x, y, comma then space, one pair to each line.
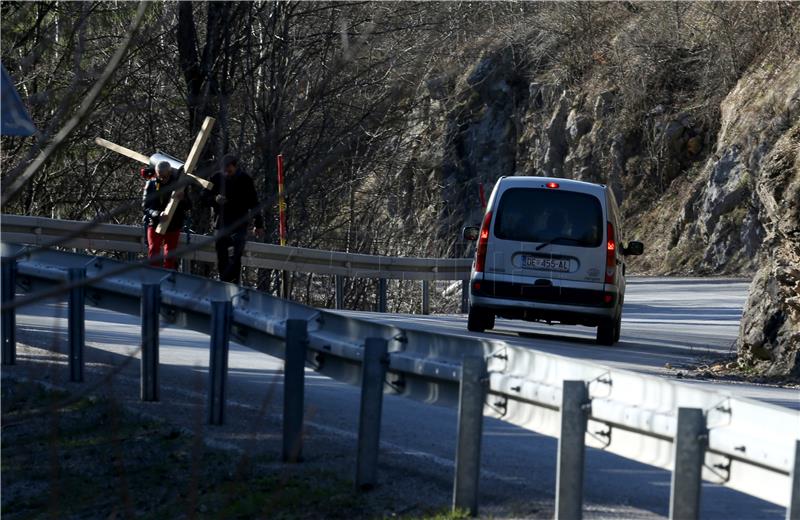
156, 196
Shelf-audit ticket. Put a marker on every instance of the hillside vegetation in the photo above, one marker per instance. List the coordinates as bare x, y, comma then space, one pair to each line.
390, 116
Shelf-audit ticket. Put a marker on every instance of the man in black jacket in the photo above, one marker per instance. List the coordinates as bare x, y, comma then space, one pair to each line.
234, 203
155, 198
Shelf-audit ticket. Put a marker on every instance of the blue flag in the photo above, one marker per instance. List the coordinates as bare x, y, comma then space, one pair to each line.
14, 116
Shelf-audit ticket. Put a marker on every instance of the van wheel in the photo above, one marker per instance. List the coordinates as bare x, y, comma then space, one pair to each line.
479, 319
618, 327
606, 333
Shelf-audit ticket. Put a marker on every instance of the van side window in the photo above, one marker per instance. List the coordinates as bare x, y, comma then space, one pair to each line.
541, 215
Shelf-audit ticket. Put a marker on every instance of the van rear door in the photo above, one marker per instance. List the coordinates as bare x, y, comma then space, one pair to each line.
543, 233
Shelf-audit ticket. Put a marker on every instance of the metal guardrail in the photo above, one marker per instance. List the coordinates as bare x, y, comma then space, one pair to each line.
42, 231
739, 443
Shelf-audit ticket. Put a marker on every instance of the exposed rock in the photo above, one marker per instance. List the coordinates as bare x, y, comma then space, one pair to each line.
767, 121
675, 137
481, 135
577, 125
556, 148
603, 104
535, 95
438, 87
723, 223
657, 110
769, 335
694, 146
727, 188
618, 166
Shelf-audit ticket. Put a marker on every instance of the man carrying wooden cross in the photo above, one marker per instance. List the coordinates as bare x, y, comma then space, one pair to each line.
156, 197
232, 198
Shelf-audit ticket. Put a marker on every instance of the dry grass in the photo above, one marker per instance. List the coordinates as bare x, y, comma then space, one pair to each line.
94, 459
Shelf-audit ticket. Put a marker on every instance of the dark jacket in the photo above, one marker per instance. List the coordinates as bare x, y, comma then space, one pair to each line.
155, 198
240, 194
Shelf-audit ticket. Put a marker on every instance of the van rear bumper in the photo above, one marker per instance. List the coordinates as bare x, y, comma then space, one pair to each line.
547, 293
549, 303
536, 311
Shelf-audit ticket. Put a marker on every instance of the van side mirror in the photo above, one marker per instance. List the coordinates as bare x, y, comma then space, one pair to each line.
470, 233
633, 249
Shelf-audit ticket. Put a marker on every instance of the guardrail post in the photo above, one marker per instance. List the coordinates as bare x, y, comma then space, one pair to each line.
382, 295
286, 290
293, 391
338, 281
186, 263
690, 443
426, 297
571, 450
793, 511
373, 374
221, 312
150, 309
76, 322
464, 296
9, 351
471, 397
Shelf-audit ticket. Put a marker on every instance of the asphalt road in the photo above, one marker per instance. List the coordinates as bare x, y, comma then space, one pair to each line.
664, 322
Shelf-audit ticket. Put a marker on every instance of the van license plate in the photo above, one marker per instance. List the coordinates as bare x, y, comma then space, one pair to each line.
546, 264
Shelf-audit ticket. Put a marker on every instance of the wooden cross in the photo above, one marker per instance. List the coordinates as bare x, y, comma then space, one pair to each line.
188, 167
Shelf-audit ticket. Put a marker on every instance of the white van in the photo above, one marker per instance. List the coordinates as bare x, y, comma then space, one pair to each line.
549, 250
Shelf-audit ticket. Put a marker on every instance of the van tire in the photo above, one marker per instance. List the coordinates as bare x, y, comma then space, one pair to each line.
479, 319
606, 333
490, 320
618, 327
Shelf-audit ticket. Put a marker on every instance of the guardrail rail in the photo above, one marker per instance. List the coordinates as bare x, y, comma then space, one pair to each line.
42, 232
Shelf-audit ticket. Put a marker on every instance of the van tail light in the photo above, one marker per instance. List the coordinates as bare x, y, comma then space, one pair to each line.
483, 242
552, 185
611, 255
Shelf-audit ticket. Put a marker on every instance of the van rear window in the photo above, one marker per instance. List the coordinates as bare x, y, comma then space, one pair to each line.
539, 215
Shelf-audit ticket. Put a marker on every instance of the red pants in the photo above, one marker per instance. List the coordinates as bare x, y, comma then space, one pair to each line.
162, 245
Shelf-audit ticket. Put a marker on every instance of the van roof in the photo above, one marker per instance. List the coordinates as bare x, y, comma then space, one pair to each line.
523, 181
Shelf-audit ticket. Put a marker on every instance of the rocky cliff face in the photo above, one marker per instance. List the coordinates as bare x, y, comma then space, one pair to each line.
761, 128
720, 197
769, 334
480, 138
